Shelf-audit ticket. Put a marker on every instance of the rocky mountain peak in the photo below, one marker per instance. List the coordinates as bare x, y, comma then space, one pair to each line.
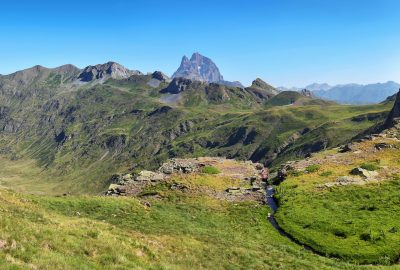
199, 68
307, 93
259, 83
105, 71
394, 114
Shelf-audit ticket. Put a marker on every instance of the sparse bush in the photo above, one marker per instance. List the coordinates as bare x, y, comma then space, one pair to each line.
369, 166
210, 170
327, 173
312, 168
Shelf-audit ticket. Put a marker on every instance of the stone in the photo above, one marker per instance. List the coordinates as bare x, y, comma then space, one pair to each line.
345, 148
179, 166
380, 146
364, 173
3, 244
149, 176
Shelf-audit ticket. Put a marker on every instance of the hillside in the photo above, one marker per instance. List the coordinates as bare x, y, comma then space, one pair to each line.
343, 202
72, 135
176, 224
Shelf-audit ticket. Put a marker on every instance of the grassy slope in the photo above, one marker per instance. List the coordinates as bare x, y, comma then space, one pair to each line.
109, 130
180, 231
356, 223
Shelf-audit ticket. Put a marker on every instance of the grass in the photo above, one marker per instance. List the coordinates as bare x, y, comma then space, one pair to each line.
181, 231
369, 166
356, 223
312, 168
210, 170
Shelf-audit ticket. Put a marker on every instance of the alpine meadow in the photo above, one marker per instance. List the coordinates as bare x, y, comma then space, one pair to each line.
108, 167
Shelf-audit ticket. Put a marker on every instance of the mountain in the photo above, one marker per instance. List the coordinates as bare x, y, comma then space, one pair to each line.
203, 69
199, 68
262, 89
318, 87
78, 127
103, 72
351, 93
359, 94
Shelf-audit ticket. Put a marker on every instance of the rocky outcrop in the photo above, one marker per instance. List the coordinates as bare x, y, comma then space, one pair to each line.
179, 85
307, 93
179, 166
157, 78
394, 115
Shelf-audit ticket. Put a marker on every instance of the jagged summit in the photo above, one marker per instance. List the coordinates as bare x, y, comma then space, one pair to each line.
199, 68
105, 71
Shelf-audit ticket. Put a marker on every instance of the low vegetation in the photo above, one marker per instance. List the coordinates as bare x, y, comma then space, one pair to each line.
165, 229
210, 170
354, 222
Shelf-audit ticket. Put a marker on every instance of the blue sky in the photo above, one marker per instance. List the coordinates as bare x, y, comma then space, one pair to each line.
285, 42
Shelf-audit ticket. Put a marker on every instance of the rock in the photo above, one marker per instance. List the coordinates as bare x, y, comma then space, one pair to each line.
3, 244
150, 176
345, 148
179, 166
364, 173
176, 186
158, 75
345, 180
179, 85
307, 93
232, 189
157, 78
147, 204
394, 114
380, 146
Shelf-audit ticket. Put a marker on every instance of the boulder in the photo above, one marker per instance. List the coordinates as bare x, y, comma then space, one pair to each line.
179, 166
149, 176
364, 173
380, 146
345, 148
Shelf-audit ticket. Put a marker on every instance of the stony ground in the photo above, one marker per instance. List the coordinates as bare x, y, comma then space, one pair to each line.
221, 178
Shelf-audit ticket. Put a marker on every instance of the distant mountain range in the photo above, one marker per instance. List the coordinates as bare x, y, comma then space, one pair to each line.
351, 93
203, 69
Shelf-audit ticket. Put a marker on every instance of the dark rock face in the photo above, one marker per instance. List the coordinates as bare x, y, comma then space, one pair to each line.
394, 113
199, 68
161, 110
158, 75
307, 93
104, 71
178, 85
4, 111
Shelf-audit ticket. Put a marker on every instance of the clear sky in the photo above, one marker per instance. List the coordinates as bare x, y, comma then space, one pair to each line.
285, 42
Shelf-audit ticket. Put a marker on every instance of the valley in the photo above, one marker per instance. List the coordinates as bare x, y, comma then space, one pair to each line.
108, 168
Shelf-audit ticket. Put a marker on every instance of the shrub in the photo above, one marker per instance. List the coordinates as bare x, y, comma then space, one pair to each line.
369, 166
312, 168
210, 170
327, 173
